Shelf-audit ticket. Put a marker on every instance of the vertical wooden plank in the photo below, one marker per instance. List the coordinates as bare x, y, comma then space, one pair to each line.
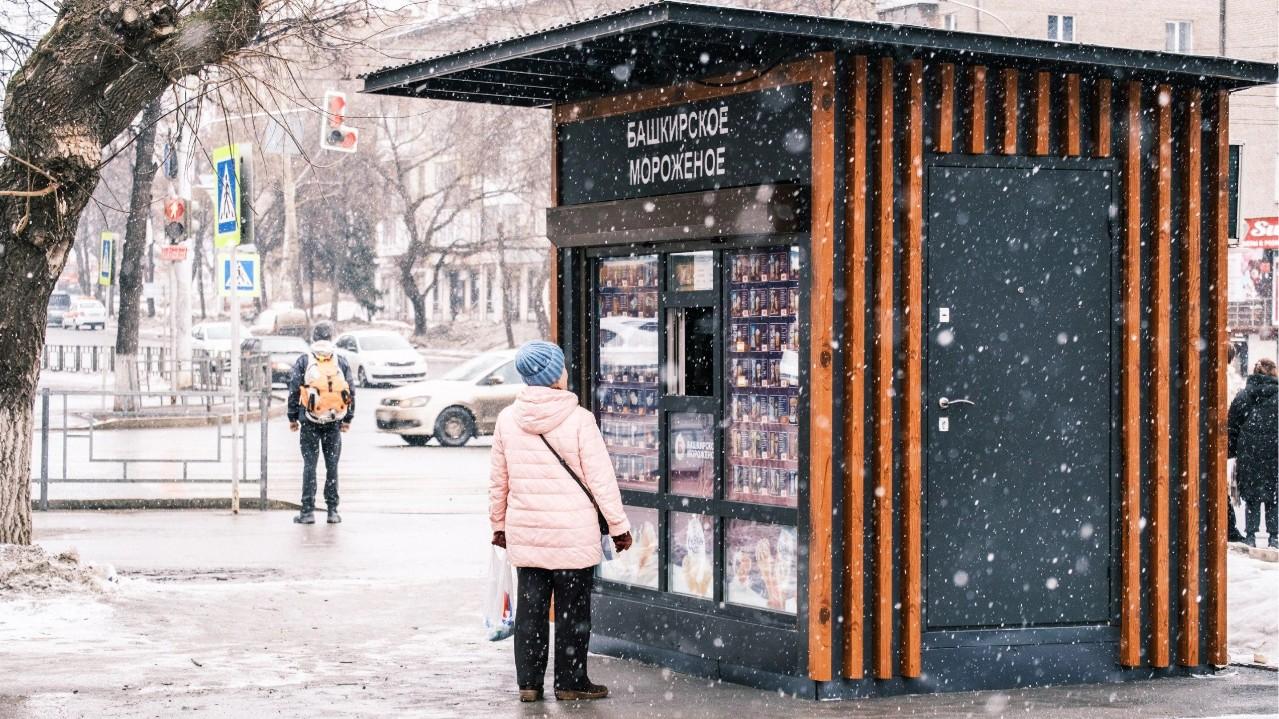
1130, 379
1101, 120
855, 366
912, 379
1160, 364
1218, 505
1008, 101
884, 378
1070, 125
1043, 87
821, 379
945, 141
553, 262
977, 110
1188, 391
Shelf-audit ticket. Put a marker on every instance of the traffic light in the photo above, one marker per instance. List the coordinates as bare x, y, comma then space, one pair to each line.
175, 209
335, 133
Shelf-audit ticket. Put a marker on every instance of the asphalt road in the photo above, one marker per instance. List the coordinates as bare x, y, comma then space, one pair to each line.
102, 337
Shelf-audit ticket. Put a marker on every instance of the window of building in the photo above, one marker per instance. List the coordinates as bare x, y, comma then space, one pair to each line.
949, 21
1061, 28
1232, 193
1177, 35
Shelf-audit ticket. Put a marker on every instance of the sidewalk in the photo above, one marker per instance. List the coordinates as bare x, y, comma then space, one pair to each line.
250, 615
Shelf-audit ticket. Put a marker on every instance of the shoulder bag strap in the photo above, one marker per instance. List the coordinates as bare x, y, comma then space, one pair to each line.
598, 514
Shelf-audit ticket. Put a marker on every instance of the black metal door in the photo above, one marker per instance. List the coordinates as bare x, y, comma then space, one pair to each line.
1018, 400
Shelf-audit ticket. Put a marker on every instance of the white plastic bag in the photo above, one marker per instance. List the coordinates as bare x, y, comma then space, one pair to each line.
499, 598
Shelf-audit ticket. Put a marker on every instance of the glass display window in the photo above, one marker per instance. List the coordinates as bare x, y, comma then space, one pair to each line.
761, 569
762, 422
696, 381
691, 568
627, 381
691, 454
637, 566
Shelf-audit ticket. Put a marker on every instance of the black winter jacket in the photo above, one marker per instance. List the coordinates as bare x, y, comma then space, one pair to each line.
296, 378
1253, 438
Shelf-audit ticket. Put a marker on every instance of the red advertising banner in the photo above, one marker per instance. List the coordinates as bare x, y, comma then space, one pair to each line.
1261, 233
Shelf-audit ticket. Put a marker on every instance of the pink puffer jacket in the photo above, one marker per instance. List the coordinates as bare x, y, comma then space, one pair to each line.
548, 520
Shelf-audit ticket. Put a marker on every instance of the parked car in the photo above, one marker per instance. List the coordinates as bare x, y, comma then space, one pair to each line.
381, 357
462, 404
213, 338
85, 312
59, 303
281, 352
282, 321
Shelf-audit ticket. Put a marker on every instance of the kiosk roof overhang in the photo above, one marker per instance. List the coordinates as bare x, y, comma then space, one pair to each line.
664, 43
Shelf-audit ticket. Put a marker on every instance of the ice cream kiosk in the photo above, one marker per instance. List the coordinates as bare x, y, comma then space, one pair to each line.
907, 344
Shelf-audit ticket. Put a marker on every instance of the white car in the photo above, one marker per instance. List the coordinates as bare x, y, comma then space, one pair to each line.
214, 337
464, 403
85, 313
381, 357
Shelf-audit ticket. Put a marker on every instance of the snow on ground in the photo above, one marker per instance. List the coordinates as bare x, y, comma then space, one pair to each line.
1253, 610
33, 571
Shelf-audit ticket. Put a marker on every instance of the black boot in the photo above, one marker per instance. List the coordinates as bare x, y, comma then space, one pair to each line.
334, 517
306, 516
590, 691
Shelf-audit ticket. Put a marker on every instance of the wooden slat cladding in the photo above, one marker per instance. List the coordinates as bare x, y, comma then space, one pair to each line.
1101, 119
912, 376
1042, 99
945, 134
1158, 389
1130, 381
1072, 146
977, 110
883, 650
1217, 505
1008, 101
1188, 391
855, 372
821, 368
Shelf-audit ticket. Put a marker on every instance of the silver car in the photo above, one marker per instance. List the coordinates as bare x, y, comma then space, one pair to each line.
462, 404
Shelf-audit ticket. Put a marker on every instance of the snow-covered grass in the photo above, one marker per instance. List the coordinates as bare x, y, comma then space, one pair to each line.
1252, 608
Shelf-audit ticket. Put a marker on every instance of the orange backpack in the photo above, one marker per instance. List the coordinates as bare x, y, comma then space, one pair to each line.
324, 393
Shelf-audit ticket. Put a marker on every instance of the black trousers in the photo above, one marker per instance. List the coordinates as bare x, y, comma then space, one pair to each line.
317, 439
572, 590
1252, 520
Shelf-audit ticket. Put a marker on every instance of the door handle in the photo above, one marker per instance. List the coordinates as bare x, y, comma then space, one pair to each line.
946, 403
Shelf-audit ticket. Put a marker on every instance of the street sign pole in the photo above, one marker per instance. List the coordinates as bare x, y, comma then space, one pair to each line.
235, 379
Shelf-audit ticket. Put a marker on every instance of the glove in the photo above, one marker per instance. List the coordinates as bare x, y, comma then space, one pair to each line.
344, 426
622, 542
499, 539
293, 426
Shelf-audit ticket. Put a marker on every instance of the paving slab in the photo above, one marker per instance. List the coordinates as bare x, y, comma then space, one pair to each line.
252, 616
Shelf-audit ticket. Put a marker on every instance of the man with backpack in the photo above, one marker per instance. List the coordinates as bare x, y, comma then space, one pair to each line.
321, 405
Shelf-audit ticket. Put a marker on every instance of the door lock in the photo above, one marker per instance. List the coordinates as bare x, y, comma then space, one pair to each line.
946, 403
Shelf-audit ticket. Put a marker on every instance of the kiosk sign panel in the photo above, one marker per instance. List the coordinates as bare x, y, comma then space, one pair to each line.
747, 139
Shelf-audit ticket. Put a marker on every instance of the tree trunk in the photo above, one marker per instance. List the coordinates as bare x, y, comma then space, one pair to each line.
84, 275
416, 297
502, 279
335, 289
537, 284
131, 262
99, 65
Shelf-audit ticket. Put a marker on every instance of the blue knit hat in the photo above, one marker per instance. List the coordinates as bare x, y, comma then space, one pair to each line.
539, 363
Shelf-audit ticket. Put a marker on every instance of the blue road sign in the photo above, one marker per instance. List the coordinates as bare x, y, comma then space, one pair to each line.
226, 205
248, 275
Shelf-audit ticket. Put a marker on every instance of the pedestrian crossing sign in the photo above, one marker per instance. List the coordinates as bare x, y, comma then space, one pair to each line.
247, 275
226, 206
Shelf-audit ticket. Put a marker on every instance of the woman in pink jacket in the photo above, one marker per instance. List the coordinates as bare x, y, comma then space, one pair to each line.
548, 524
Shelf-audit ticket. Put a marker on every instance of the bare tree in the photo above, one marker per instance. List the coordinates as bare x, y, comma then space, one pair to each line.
131, 255
96, 65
